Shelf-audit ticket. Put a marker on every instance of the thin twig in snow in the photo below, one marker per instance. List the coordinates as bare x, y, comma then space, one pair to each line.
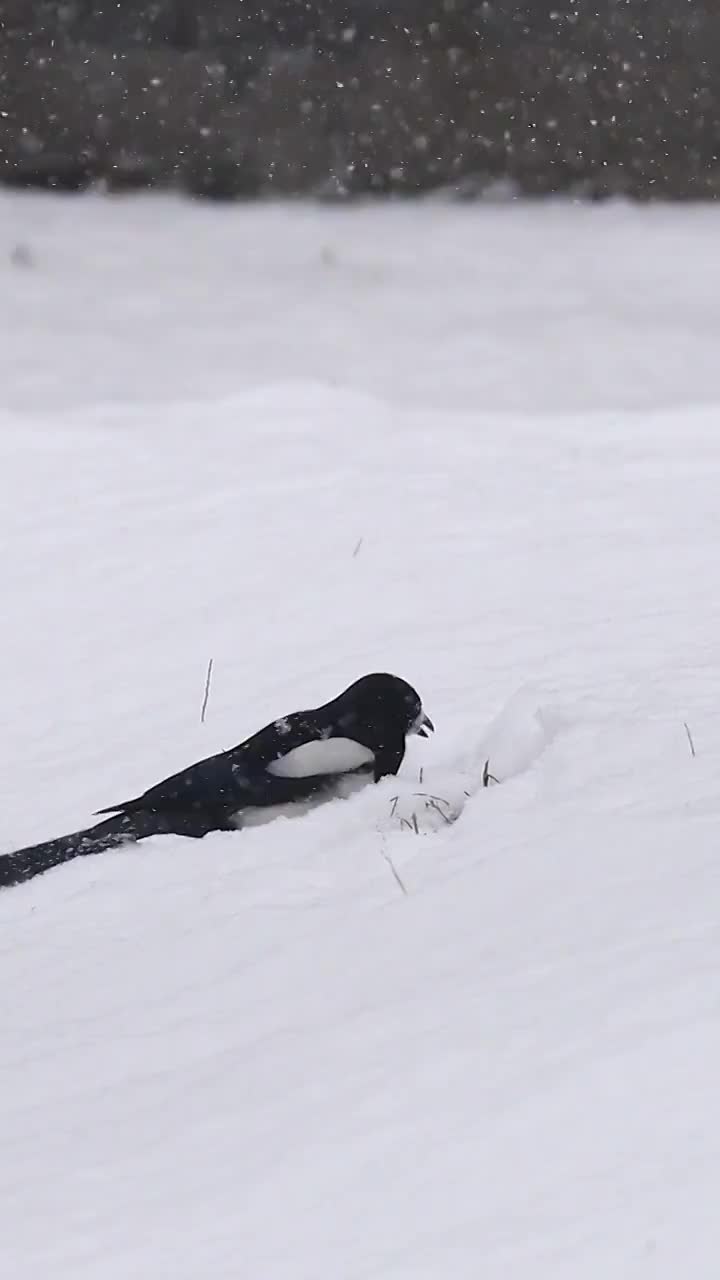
357, 547
208, 678
690, 738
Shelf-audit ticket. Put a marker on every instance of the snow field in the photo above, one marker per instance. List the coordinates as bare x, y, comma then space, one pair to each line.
477, 446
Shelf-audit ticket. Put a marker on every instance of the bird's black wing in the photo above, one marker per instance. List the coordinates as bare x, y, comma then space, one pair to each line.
234, 779
184, 790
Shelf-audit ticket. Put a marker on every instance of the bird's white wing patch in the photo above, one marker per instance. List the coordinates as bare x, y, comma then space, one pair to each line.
327, 755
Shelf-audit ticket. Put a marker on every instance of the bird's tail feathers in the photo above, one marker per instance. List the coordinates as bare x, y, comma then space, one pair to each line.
24, 864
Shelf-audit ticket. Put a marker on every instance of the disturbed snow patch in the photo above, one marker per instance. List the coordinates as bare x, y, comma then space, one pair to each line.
511, 744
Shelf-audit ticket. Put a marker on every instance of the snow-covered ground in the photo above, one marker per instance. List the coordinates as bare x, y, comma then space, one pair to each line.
478, 446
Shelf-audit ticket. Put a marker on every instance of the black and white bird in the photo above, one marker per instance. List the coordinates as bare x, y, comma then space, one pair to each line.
303, 756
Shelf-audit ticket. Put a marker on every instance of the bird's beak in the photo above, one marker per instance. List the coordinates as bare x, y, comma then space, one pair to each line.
424, 725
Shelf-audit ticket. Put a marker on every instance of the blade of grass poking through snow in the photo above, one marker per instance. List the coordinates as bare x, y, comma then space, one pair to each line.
428, 795
488, 777
206, 695
433, 804
398, 879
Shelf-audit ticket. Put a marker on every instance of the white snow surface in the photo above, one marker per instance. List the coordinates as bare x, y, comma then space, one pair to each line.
474, 445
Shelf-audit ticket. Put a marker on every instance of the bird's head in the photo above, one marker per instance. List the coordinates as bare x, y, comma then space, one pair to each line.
385, 697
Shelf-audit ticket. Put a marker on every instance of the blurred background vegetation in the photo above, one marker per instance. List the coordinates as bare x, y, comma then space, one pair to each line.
232, 98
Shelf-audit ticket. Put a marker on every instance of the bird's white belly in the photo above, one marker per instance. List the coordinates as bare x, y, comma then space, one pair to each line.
324, 756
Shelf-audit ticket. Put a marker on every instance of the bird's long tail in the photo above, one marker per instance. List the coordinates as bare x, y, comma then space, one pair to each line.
121, 829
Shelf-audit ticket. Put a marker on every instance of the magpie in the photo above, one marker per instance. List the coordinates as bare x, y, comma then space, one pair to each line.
304, 756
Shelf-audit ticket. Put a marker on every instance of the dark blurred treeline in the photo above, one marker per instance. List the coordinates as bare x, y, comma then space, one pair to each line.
338, 97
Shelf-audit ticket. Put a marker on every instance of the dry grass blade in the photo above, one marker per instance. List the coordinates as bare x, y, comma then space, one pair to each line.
432, 804
488, 777
208, 678
398, 880
428, 795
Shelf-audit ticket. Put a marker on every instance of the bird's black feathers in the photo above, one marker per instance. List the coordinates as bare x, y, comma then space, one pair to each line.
293, 759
